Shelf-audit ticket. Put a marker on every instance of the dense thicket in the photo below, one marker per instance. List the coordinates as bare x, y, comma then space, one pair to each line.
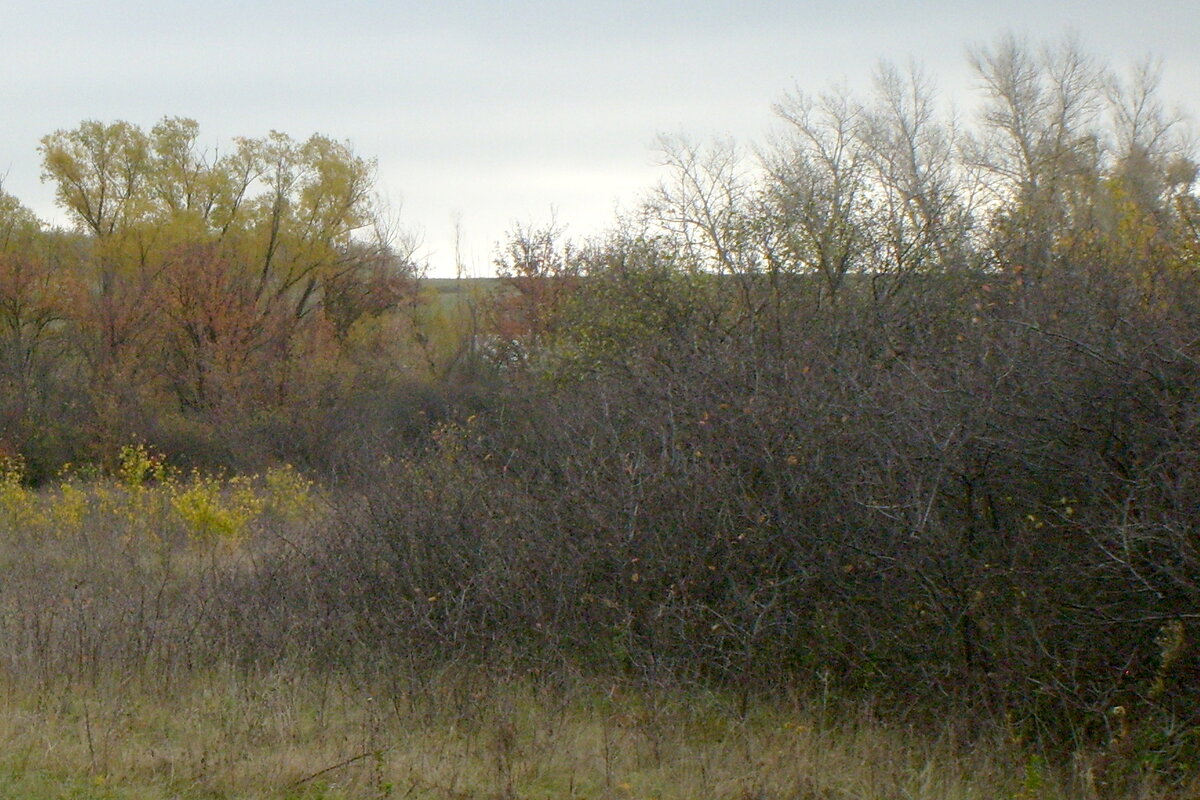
908, 409
894, 406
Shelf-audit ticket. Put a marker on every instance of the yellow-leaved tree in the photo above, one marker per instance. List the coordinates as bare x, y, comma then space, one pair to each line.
207, 273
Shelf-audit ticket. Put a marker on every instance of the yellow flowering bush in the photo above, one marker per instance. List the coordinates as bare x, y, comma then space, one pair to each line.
212, 508
147, 500
138, 466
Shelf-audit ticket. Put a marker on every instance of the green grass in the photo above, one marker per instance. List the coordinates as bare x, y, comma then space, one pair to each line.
447, 294
460, 285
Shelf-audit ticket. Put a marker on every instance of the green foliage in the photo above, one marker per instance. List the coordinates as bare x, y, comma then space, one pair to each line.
635, 298
288, 494
1033, 785
212, 286
19, 510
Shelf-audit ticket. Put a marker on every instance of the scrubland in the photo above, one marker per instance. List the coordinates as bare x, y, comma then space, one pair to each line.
863, 464
144, 654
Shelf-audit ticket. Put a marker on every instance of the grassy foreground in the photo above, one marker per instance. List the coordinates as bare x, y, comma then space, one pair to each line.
461, 735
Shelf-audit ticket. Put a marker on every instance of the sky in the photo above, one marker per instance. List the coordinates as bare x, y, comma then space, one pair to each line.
499, 113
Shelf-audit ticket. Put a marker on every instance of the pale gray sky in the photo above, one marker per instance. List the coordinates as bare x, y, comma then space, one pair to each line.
503, 111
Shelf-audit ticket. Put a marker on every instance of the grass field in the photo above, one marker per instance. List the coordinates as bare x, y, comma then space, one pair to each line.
446, 293
286, 734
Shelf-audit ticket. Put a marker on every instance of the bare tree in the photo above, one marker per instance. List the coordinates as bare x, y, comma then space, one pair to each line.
816, 192
703, 205
1152, 153
923, 200
1040, 141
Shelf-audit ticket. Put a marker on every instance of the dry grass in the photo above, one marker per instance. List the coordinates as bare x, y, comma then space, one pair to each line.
463, 735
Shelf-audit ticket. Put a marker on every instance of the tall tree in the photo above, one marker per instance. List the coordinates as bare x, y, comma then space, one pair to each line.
1040, 142
230, 251
817, 187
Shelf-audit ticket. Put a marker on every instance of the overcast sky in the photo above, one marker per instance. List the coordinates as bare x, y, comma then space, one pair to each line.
502, 112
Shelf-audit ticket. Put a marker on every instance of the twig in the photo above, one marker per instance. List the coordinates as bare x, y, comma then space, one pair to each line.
338, 765
87, 727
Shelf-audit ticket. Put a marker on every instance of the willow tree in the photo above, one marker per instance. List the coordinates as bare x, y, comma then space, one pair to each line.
176, 227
